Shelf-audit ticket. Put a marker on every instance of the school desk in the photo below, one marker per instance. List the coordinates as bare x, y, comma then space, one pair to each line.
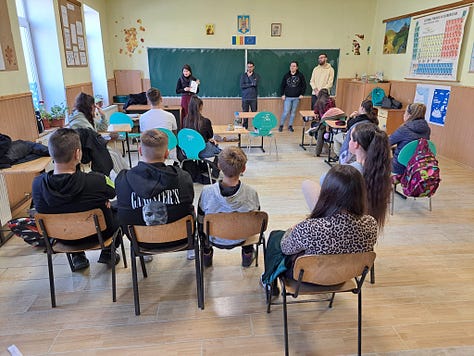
306, 116
333, 129
223, 130
140, 109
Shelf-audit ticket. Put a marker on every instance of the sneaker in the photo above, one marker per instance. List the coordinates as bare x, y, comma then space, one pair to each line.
190, 255
280, 129
247, 258
207, 258
79, 261
148, 258
106, 257
290, 128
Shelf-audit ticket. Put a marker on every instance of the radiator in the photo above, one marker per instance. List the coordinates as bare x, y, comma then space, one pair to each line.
5, 212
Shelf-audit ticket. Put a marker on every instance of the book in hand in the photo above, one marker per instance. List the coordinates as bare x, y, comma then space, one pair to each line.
194, 86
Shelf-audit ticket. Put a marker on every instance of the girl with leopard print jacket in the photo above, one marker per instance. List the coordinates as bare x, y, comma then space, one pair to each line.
338, 223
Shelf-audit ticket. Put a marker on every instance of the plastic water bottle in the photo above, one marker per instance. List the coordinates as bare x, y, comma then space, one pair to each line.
237, 119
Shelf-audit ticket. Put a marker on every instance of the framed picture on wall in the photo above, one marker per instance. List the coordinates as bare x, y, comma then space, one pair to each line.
276, 29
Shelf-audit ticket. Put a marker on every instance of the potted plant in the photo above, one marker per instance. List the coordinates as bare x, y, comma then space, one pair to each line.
46, 118
58, 114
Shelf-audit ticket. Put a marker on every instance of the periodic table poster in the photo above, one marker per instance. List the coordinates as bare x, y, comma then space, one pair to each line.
437, 44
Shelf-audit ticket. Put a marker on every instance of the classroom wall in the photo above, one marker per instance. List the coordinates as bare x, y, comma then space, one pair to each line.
181, 23
16, 81
396, 66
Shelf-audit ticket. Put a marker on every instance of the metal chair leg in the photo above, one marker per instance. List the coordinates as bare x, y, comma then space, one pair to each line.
136, 298
69, 259
51, 281
285, 319
142, 263
123, 254
372, 274
430, 203
359, 324
114, 279
331, 300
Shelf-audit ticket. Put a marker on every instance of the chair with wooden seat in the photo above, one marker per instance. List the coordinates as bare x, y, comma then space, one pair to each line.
157, 239
323, 274
250, 226
57, 228
406, 153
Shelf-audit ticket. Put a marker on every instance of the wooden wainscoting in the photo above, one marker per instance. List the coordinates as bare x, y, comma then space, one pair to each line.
73, 90
111, 89
454, 139
221, 110
18, 117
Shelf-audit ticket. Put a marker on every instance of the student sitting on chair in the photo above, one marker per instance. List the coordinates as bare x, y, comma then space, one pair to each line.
338, 224
413, 128
228, 195
152, 192
68, 190
156, 117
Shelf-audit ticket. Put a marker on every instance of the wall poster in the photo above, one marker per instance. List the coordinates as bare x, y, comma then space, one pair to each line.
437, 44
75, 49
436, 99
8, 59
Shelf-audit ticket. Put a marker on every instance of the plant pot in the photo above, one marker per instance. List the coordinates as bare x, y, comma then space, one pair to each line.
46, 123
57, 123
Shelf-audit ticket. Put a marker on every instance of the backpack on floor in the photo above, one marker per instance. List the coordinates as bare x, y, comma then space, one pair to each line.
26, 229
421, 177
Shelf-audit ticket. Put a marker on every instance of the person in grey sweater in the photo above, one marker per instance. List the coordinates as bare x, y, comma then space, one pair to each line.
228, 195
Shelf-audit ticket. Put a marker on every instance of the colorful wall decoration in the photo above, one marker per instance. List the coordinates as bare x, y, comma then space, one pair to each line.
132, 39
396, 36
437, 44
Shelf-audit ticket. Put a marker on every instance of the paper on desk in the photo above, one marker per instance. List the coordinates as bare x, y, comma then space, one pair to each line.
194, 86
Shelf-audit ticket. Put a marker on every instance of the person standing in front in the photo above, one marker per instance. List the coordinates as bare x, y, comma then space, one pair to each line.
187, 86
293, 86
249, 85
322, 77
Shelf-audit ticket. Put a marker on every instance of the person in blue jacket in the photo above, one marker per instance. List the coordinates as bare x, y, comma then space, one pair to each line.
413, 128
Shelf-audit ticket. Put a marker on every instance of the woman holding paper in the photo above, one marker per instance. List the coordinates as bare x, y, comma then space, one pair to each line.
187, 86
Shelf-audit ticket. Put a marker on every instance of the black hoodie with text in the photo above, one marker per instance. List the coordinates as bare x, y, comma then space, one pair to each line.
166, 191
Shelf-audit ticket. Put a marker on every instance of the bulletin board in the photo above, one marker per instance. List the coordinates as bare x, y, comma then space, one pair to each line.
437, 44
8, 59
72, 28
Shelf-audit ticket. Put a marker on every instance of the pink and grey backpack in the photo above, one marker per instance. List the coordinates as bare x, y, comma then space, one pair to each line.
421, 177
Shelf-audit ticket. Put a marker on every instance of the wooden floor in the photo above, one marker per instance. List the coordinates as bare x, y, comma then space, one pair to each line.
422, 302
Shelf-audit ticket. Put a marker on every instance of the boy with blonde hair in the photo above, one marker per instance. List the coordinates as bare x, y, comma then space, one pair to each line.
228, 195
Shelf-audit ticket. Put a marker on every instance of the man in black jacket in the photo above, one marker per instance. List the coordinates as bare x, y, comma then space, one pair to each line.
152, 192
68, 190
293, 86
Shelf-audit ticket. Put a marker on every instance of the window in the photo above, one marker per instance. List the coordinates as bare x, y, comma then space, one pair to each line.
29, 53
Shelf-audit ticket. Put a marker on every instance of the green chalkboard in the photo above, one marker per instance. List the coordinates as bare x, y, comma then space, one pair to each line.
218, 70
272, 64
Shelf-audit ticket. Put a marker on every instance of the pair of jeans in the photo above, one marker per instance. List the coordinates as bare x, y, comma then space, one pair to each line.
289, 106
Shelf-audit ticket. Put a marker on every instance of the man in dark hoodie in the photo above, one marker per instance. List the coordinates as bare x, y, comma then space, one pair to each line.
68, 190
293, 86
152, 192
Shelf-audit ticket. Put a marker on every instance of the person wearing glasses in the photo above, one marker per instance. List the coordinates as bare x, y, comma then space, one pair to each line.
322, 77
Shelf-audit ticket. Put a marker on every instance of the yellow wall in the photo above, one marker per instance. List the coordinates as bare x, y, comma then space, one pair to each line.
14, 82
396, 66
181, 23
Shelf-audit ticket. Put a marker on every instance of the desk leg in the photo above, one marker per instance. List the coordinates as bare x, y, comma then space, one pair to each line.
330, 160
302, 135
240, 140
128, 149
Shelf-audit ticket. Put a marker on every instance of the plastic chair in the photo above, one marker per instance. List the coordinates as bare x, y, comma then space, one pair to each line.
181, 234
322, 274
172, 140
377, 95
192, 143
263, 122
406, 153
73, 227
118, 118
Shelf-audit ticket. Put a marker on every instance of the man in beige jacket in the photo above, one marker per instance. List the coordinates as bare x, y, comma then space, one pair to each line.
322, 77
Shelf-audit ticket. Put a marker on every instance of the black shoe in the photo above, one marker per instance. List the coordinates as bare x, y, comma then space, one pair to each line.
247, 258
106, 257
290, 128
207, 258
79, 261
280, 129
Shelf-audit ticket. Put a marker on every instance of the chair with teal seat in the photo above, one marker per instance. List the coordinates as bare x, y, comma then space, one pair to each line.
192, 143
406, 153
263, 123
119, 118
172, 140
